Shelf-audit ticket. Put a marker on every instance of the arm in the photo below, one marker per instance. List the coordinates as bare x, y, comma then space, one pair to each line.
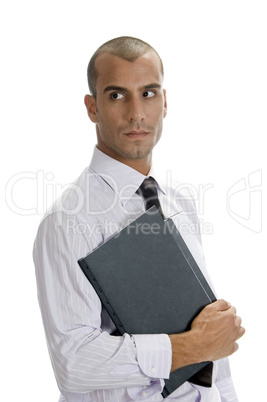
213, 336
84, 356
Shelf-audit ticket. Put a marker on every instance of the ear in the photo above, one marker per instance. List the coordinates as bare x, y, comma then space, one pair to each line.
90, 104
165, 103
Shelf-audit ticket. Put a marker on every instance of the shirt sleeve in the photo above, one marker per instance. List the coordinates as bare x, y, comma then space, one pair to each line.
84, 356
224, 382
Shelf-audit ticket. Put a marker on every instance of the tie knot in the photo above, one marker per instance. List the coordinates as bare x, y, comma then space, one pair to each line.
148, 190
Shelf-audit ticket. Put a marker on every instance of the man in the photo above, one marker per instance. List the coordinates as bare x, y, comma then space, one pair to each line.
127, 104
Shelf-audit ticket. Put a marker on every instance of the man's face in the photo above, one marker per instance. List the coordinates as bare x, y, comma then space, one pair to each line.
129, 107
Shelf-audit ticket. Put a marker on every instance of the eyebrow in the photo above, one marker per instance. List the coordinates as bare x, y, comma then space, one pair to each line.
114, 88
118, 88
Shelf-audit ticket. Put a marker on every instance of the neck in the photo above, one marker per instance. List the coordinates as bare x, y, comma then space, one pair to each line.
142, 165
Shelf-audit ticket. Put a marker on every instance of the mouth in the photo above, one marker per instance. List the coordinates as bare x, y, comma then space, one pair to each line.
137, 134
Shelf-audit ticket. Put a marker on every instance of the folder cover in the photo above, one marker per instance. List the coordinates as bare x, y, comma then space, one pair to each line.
149, 282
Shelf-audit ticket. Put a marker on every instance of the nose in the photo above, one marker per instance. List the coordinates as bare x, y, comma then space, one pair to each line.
135, 111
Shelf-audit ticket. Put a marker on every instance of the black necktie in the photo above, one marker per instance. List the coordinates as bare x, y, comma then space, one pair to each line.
148, 191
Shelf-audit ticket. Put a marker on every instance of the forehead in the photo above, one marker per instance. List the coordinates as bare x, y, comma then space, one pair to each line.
113, 70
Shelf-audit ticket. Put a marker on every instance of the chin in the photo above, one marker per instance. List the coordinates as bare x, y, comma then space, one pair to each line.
136, 154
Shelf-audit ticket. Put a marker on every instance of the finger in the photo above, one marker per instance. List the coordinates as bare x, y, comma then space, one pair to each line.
238, 320
232, 310
236, 347
221, 305
240, 333
240, 330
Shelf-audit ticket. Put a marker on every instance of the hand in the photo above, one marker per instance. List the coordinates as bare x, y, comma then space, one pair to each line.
213, 335
218, 328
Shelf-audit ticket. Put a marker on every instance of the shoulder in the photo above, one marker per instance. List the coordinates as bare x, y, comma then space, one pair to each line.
72, 218
74, 196
69, 205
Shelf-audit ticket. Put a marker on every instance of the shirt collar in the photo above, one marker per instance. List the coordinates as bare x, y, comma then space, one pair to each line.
123, 179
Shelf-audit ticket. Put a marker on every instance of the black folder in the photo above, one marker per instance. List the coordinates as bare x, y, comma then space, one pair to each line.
149, 282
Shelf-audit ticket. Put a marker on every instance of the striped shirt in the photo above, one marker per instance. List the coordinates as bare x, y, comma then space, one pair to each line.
90, 364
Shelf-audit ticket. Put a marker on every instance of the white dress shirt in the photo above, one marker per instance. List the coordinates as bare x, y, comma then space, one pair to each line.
89, 363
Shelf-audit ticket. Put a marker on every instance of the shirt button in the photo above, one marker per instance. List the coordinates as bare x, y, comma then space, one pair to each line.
153, 370
144, 393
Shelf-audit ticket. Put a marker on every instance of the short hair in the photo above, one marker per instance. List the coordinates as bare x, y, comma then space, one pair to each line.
125, 47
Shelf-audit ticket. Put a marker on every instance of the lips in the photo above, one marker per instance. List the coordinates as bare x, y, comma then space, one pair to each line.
136, 134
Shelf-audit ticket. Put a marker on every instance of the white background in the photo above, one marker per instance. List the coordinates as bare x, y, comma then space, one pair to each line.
215, 67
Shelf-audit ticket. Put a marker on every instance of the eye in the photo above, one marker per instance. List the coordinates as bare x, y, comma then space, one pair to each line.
116, 96
148, 94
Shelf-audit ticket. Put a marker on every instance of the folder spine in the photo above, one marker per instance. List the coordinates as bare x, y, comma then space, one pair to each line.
90, 276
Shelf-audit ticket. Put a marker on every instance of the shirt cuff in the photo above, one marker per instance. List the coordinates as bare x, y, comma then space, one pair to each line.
154, 355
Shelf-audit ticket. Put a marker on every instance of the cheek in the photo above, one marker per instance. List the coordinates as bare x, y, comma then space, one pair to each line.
103, 119
159, 111
108, 117
107, 127
158, 117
